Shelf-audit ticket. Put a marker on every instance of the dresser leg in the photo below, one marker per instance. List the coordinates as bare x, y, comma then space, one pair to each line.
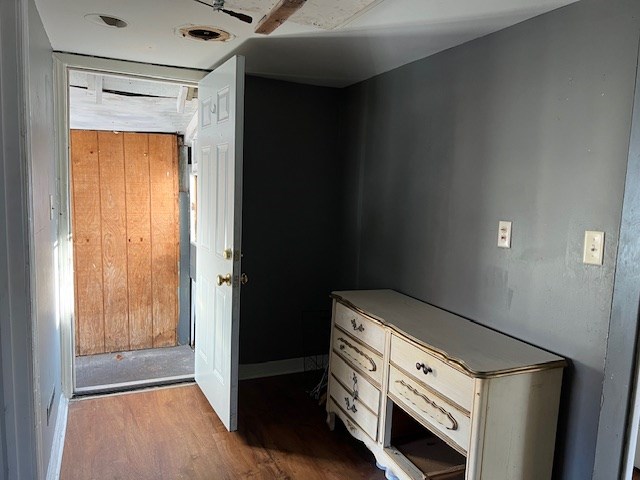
331, 420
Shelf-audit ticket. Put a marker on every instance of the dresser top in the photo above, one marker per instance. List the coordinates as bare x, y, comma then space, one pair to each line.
477, 349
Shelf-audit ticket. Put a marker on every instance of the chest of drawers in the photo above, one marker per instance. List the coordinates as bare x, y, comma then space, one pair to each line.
480, 405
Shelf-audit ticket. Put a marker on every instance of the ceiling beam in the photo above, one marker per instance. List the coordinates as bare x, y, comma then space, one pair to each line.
278, 15
182, 98
125, 84
94, 87
192, 129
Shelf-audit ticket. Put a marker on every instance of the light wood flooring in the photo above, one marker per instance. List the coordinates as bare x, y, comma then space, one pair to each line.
172, 433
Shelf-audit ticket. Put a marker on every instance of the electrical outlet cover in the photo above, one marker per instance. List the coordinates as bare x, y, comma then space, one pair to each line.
504, 234
593, 247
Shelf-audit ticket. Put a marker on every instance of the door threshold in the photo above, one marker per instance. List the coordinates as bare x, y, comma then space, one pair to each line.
135, 385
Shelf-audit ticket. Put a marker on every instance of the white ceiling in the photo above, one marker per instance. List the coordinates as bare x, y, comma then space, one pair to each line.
325, 43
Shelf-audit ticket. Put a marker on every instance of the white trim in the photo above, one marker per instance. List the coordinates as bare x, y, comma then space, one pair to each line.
57, 448
278, 367
63, 62
183, 76
65, 257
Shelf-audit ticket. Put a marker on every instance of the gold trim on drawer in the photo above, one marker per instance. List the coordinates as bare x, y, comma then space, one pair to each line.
343, 348
370, 332
354, 381
438, 376
358, 355
434, 411
353, 408
441, 416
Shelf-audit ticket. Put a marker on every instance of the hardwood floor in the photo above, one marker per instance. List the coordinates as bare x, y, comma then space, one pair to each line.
173, 433
636, 474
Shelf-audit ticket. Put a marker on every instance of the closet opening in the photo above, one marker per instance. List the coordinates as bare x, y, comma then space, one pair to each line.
130, 190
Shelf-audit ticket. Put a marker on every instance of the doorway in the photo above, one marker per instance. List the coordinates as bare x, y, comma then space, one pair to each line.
128, 213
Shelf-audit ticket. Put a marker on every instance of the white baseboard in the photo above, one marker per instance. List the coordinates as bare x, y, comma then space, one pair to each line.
282, 367
55, 460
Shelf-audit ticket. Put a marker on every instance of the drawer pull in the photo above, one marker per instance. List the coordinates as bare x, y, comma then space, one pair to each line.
351, 406
435, 411
352, 428
421, 366
356, 327
343, 348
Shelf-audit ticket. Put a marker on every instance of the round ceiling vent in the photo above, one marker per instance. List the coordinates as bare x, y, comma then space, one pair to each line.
203, 33
105, 20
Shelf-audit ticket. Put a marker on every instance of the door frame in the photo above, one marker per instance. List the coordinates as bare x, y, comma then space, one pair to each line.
62, 64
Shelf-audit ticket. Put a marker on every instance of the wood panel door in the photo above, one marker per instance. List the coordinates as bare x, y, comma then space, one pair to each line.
126, 241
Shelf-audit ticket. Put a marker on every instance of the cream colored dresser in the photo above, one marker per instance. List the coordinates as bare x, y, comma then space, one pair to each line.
435, 396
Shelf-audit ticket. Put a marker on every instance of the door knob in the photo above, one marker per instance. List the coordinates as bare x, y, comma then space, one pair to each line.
226, 279
227, 254
244, 279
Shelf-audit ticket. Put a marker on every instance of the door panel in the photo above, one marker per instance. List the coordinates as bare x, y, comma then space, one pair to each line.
163, 165
114, 241
87, 243
219, 237
126, 240
138, 193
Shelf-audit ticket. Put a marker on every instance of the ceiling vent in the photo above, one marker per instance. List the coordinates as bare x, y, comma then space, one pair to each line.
105, 20
203, 33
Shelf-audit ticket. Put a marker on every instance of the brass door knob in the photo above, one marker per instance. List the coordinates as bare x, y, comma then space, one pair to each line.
227, 254
244, 279
226, 279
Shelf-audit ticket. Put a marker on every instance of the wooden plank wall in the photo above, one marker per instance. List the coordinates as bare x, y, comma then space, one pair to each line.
126, 235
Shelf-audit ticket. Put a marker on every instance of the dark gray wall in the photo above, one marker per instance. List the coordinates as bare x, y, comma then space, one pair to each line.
184, 317
530, 124
291, 238
619, 372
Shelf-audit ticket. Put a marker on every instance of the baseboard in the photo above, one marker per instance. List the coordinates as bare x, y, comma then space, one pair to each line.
282, 367
55, 460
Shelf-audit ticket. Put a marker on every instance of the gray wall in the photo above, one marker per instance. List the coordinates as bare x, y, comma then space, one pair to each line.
620, 385
18, 444
291, 238
28, 304
530, 124
43, 233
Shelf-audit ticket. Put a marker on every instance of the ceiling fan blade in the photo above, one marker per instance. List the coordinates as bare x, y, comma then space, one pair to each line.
239, 16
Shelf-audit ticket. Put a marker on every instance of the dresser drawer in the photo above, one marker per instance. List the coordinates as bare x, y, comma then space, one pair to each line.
442, 416
357, 355
353, 408
433, 372
364, 329
356, 383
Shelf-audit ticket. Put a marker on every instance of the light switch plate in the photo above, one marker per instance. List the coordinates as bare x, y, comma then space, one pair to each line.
504, 234
593, 247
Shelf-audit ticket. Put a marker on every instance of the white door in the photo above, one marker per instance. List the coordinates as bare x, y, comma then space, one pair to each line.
221, 108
